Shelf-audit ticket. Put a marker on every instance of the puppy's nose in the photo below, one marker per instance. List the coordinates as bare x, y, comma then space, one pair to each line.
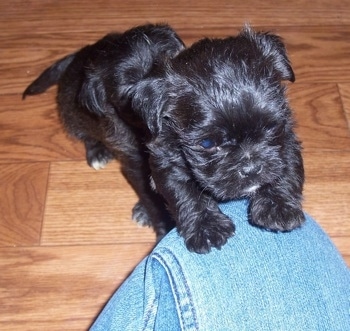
250, 169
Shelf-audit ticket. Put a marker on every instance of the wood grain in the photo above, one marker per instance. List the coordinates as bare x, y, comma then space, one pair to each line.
31, 131
61, 288
38, 51
318, 55
345, 96
66, 236
85, 206
327, 190
72, 16
320, 117
22, 201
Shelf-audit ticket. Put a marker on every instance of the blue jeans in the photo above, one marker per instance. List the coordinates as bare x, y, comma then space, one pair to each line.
258, 281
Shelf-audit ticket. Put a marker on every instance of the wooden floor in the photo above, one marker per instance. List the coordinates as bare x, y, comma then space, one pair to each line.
66, 238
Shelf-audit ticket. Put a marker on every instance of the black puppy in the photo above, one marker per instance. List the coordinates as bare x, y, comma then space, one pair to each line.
222, 129
94, 105
210, 125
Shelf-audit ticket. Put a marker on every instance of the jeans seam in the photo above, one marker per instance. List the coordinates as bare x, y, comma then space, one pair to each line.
149, 314
176, 293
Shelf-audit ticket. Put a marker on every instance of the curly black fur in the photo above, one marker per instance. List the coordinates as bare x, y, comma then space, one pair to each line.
94, 106
222, 129
209, 123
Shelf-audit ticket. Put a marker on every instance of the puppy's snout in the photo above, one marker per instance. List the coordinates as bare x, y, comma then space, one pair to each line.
250, 170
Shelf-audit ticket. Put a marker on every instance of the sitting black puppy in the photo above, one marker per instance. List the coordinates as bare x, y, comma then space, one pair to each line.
94, 105
222, 129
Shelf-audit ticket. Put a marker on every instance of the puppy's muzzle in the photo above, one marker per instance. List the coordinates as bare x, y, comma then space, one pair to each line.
250, 170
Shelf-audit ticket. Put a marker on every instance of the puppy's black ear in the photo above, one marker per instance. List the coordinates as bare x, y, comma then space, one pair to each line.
274, 50
93, 95
149, 101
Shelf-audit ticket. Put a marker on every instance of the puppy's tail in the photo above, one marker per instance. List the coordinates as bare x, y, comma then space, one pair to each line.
49, 77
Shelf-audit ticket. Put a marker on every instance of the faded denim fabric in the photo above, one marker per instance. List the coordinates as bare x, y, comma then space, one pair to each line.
258, 281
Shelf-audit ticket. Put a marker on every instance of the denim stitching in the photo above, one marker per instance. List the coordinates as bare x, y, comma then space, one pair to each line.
149, 314
191, 309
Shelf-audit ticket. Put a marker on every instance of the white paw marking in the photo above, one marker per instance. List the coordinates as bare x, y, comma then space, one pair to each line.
97, 165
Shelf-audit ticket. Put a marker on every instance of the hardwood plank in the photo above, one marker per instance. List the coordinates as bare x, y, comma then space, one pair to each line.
317, 55
61, 288
31, 131
327, 191
51, 16
85, 206
345, 96
22, 201
34, 53
68, 220
321, 122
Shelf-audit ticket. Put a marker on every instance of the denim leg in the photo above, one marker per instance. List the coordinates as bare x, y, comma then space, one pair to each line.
259, 280
167, 315
124, 310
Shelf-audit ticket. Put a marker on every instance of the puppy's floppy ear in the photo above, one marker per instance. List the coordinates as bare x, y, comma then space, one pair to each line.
149, 101
93, 95
274, 49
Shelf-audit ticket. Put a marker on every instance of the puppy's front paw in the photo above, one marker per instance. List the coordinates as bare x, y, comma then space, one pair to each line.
276, 214
210, 231
140, 215
97, 155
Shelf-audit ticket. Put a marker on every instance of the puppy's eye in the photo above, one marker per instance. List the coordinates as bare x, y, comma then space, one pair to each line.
207, 143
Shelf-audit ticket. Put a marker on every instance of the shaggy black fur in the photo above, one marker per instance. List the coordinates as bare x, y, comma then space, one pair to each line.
94, 106
222, 129
209, 123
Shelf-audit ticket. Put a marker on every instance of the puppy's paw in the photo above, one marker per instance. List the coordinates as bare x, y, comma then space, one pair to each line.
140, 215
211, 231
275, 215
97, 155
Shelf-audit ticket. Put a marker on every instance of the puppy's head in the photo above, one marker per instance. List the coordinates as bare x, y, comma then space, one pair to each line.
118, 61
221, 103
